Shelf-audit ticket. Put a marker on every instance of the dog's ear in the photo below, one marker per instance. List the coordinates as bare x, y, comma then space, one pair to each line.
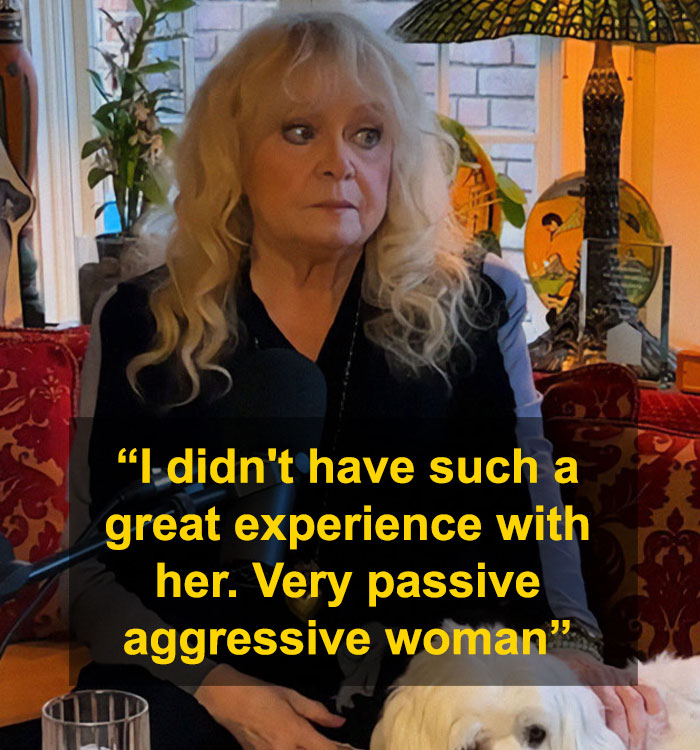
581, 722
401, 724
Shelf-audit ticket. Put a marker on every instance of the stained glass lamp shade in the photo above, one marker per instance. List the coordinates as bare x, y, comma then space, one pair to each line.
645, 21
604, 22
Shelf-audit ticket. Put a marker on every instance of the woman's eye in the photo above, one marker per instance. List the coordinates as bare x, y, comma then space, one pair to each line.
299, 134
535, 735
368, 137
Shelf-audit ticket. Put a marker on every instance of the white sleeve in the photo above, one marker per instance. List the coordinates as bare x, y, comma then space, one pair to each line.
98, 609
561, 562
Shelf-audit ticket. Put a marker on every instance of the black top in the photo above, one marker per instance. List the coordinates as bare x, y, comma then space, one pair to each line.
371, 410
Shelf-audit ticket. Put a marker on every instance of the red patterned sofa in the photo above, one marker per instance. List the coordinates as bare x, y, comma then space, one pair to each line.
39, 389
639, 484
639, 454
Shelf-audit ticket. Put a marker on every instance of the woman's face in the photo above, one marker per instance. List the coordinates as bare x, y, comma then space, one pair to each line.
317, 173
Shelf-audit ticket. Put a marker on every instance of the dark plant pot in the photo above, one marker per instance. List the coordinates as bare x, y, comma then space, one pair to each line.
118, 255
113, 244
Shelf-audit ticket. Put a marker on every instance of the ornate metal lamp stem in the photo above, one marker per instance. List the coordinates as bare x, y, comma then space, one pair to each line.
603, 109
562, 346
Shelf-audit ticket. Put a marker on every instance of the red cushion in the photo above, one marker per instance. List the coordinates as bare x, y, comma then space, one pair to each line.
639, 486
39, 374
612, 391
75, 338
603, 390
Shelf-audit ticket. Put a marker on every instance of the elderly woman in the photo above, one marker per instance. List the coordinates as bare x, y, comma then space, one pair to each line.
313, 215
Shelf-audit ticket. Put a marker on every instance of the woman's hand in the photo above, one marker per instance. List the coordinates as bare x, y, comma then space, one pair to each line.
262, 716
629, 710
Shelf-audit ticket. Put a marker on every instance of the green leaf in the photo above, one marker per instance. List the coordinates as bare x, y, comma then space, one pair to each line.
122, 75
510, 189
89, 147
176, 6
108, 107
102, 114
153, 191
102, 130
169, 137
96, 175
162, 66
168, 37
103, 123
122, 118
453, 128
514, 212
470, 148
100, 210
99, 85
130, 170
106, 131
488, 241
140, 6
163, 92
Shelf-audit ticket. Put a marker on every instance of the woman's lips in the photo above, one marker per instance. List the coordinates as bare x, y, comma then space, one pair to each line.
334, 205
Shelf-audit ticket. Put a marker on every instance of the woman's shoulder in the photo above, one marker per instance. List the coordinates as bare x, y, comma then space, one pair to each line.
506, 287
123, 312
131, 296
123, 327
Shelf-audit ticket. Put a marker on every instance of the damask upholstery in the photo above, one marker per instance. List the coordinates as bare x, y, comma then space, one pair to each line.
639, 484
639, 460
39, 376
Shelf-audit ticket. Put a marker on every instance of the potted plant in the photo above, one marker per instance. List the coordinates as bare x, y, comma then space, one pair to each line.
481, 197
132, 142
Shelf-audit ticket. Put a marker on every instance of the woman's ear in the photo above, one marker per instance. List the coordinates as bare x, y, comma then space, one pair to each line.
400, 723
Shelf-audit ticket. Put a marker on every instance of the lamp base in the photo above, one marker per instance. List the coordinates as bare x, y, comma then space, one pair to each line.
560, 348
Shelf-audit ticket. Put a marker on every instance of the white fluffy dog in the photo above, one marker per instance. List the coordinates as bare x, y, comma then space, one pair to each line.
429, 709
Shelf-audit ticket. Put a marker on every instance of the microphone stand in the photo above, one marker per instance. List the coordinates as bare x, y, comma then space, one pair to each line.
16, 574
274, 497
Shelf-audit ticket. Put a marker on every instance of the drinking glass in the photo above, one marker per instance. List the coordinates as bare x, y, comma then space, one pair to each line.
95, 720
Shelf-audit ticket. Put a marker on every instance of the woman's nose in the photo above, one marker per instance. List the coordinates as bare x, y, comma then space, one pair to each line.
336, 160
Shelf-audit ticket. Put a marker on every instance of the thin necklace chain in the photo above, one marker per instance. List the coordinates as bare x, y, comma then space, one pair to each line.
341, 407
346, 373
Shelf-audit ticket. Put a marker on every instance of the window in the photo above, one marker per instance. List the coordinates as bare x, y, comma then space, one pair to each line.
211, 27
504, 91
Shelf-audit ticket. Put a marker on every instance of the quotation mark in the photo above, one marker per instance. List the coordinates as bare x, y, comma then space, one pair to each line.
565, 626
133, 458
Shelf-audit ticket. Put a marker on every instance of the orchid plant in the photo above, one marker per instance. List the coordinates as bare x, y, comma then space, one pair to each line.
132, 141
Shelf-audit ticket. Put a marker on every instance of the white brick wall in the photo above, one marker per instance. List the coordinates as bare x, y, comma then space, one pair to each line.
493, 83
218, 15
505, 98
509, 80
488, 52
462, 80
516, 112
473, 111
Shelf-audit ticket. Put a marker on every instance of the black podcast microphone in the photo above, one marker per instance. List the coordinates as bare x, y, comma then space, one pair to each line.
282, 396
277, 400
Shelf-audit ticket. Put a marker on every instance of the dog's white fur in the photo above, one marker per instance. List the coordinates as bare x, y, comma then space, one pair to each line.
429, 709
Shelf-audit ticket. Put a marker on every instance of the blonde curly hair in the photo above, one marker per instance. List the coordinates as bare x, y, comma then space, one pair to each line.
417, 271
